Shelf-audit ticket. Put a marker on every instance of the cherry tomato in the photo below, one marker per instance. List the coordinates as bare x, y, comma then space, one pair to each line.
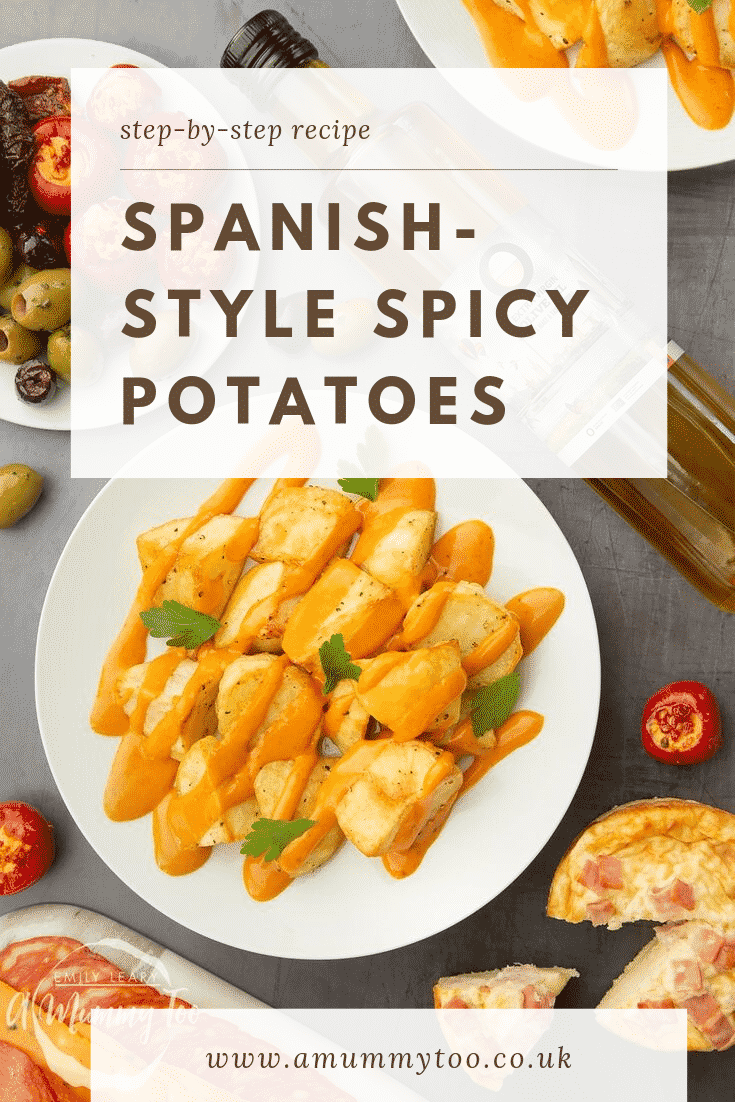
94, 164
26, 847
67, 242
96, 239
681, 724
49, 176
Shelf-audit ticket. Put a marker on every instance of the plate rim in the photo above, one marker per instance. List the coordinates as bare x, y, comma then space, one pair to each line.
399, 941
678, 159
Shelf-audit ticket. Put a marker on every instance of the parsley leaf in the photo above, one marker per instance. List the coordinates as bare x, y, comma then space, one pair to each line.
336, 663
493, 704
187, 627
699, 6
270, 837
365, 487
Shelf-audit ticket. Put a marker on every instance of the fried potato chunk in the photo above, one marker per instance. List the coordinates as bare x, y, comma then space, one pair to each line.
203, 575
278, 707
401, 554
390, 803
344, 601
260, 605
629, 27
721, 16
563, 32
345, 721
462, 611
266, 709
269, 786
234, 825
413, 691
151, 543
201, 720
305, 526
631, 31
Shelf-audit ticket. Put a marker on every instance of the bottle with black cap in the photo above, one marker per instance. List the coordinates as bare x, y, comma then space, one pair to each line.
268, 41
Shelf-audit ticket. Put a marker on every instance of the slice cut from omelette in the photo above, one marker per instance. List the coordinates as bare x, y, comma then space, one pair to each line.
688, 966
519, 986
664, 860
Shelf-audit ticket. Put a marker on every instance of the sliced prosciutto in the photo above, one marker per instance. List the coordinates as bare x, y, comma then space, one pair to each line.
66, 978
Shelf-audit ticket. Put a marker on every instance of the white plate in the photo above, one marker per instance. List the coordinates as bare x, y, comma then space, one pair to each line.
447, 34
55, 57
351, 906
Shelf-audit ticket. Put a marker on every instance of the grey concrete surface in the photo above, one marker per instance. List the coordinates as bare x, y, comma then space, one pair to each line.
653, 627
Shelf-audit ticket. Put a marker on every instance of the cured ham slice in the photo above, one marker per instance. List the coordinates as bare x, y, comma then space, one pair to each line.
66, 977
600, 912
21, 1080
611, 871
673, 901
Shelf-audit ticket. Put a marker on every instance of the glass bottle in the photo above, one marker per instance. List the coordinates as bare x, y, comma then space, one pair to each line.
268, 41
690, 516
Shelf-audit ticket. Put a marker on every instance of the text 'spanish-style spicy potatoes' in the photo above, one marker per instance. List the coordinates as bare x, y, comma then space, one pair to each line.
352, 681
696, 37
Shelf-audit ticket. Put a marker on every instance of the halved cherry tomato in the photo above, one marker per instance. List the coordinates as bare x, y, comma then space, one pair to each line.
49, 176
26, 847
681, 724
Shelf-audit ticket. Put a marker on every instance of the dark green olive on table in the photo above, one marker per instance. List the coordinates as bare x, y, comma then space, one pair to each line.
14, 280
6, 255
43, 301
35, 382
20, 489
16, 343
59, 352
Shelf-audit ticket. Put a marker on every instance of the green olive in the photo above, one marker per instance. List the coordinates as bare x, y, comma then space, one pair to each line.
8, 289
6, 255
20, 489
43, 301
59, 352
16, 343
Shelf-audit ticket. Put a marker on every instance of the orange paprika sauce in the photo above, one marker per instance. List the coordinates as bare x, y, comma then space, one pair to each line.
142, 776
703, 84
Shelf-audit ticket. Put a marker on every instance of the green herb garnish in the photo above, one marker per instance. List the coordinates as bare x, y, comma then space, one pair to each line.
699, 6
269, 837
185, 626
365, 487
493, 704
336, 663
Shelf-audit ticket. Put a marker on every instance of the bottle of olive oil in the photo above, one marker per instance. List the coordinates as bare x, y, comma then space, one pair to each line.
690, 516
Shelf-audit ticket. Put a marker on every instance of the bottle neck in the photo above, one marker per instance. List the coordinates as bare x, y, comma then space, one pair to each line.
268, 41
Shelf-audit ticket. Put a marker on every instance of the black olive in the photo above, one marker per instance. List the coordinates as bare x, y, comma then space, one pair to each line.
37, 247
35, 382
